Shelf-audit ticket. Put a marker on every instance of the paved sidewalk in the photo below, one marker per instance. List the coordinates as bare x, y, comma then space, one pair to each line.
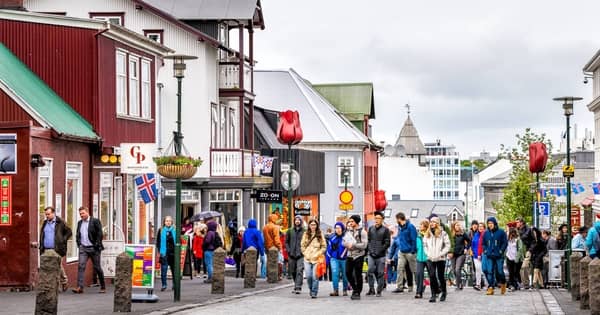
193, 292
568, 306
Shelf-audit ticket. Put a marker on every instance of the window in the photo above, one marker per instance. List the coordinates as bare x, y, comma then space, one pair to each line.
134, 86
224, 125
117, 18
414, 213
214, 125
348, 162
146, 99
44, 190
73, 201
106, 215
121, 83
155, 35
454, 217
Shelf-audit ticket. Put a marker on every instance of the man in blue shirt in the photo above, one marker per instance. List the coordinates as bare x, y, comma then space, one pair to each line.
54, 235
89, 241
405, 247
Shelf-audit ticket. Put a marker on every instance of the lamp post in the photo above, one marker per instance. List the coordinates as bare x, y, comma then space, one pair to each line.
568, 108
345, 174
178, 70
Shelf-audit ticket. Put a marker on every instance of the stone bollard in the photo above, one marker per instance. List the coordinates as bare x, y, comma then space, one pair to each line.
594, 286
218, 280
584, 293
124, 269
574, 276
250, 258
273, 265
46, 300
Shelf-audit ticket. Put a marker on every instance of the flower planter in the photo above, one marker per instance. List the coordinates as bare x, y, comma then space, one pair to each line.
176, 171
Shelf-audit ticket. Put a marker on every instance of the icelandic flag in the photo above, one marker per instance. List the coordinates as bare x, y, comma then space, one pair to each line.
268, 165
146, 185
596, 188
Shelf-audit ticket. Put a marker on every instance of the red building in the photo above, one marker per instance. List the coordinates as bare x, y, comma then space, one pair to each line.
70, 91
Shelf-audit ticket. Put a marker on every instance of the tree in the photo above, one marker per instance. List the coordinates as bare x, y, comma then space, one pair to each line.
519, 195
478, 164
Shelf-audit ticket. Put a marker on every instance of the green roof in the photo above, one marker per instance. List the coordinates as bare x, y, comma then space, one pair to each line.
355, 100
39, 100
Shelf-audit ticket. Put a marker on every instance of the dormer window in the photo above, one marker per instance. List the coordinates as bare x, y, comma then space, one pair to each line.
155, 35
117, 18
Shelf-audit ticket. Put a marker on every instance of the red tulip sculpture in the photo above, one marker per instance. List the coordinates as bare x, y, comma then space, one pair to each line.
380, 200
538, 157
289, 131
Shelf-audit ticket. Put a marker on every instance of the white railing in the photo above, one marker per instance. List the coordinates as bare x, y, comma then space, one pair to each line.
248, 163
229, 76
226, 163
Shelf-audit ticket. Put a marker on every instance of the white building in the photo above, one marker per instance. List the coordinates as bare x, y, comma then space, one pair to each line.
444, 162
592, 68
476, 205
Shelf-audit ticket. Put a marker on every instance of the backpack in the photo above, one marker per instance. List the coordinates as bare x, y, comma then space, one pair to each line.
218, 242
359, 235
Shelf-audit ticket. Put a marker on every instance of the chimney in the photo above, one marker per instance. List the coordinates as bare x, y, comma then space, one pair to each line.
12, 5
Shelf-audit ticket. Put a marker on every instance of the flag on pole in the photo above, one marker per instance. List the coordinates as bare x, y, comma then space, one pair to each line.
146, 185
259, 161
268, 165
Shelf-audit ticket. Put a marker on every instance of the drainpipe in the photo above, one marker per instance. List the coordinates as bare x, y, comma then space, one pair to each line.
158, 210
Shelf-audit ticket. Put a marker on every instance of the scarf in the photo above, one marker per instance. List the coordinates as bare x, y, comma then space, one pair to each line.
163, 239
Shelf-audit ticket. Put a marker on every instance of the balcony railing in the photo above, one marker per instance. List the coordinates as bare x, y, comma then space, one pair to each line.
229, 75
231, 162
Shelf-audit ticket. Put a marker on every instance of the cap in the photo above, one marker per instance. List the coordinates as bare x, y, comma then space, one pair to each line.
355, 218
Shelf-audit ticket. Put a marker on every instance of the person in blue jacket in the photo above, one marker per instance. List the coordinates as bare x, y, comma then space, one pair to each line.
337, 254
592, 241
254, 238
495, 242
404, 247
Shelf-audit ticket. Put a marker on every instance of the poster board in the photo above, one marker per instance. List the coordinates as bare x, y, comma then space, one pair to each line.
108, 259
143, 265
554, 268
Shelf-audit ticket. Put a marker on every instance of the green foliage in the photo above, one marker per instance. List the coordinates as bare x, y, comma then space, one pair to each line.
519, 195
478, 164
177, 160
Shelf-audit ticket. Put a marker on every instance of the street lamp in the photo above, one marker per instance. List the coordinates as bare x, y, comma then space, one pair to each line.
568, 108
178, 71
345, 175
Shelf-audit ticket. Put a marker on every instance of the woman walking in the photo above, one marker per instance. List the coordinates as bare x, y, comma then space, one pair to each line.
313, 245
461, 243
236, 250
197, 241
337, 253
477, 250
436, 244
421, 259
515, 253
165, 241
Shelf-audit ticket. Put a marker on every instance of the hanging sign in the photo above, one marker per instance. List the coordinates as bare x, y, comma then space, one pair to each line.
136, 158
5, 200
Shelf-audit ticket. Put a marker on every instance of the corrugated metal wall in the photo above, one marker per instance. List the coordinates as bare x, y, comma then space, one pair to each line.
10, 111
310, 165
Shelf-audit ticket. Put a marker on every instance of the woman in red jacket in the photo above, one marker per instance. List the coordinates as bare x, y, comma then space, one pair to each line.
199, 233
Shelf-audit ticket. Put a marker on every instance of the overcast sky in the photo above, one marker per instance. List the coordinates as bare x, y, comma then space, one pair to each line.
475, 72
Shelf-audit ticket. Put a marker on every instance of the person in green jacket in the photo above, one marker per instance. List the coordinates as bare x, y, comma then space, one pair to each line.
421, 259
515, 253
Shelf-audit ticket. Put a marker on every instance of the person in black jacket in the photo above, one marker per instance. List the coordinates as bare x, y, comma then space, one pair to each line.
379, 242
58, 233
293, 242
89, 242
461, 244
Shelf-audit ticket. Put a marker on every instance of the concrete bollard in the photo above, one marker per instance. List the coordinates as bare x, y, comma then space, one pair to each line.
574, 275
594, 286
250, 258
46, 300
273, 265
218, 280
124, 270
584, 293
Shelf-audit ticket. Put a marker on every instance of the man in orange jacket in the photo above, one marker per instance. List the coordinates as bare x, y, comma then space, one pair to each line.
271, 233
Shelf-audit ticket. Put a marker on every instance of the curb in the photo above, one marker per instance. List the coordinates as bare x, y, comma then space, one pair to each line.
185, 307
551, 304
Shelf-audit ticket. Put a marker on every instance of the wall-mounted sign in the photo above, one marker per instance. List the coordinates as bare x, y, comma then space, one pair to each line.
268, 196
302, 207
5, 200
8, 153
136, 158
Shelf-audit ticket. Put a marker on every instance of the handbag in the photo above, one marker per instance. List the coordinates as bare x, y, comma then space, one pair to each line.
321, 267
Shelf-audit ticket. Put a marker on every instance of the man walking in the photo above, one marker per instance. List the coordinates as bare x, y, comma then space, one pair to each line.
356, 255
378, 244
54, 235
494, 248
528, 238
89, 242
405, 246
293, 242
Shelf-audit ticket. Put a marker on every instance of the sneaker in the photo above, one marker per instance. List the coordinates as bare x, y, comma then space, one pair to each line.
398, 290
490, 291
443, 297
371, 292
77, 290
476, 287
432, 299
355, 297
418, 296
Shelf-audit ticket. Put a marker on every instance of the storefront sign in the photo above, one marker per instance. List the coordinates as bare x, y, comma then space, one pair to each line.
302, 207
109, 255
136, 158
268, 196
5, 200
8, 153
143, 265
575, 220
184, 250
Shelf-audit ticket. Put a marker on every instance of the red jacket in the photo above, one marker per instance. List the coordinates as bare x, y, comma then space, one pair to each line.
197, 246
283, 249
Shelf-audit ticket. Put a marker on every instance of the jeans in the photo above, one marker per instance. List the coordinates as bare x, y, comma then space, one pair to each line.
338, 266
376, 270
263, 266
420, 276
354, 273
86, 253
166, 262
208, 260
311, 278
457, 264
495, 272
436, 276
403, 260
296, 270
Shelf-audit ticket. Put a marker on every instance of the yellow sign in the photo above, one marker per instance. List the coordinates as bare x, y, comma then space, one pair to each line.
346, 197
346, 206
568, 171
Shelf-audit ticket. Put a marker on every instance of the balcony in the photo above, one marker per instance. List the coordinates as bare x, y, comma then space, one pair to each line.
231, 163
229, 75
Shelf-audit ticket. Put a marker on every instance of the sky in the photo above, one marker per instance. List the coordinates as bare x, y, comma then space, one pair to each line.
475, 73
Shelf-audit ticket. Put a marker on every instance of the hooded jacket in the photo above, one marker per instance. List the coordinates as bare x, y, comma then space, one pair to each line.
592, 241
211, 235
335, 248
253, 238
405, 241
437, 247
293, 241
494, 241
271, 233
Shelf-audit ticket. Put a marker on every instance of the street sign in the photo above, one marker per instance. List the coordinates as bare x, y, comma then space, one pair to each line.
285, 167
346, 206
568, 171
346, 197
302, 207
295, 179
268, 196
543, 214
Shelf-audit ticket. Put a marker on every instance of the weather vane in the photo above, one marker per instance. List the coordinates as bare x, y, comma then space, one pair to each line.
407, 108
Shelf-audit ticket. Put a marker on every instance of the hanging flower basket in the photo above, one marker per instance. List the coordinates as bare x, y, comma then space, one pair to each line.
183, 167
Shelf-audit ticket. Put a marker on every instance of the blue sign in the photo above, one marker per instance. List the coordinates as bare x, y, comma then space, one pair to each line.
543, 214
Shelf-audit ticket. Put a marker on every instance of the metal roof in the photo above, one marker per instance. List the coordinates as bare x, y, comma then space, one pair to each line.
208, 9
321, 122
39, 100
409, 139
355, 100
424, 208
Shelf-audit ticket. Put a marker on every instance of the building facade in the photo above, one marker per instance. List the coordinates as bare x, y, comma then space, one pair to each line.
444, 162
